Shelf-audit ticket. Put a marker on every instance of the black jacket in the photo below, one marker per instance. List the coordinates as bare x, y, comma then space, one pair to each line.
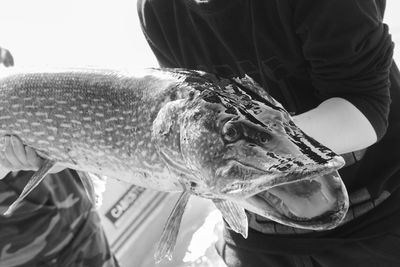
302, 52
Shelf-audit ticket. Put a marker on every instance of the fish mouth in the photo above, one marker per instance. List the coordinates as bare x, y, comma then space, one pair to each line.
319, 202
252, 180
313, 197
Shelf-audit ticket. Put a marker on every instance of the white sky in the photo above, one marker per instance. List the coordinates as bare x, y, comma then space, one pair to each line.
74, 33
78, 33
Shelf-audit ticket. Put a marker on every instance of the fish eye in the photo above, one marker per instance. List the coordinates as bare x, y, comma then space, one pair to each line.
264, 138
231, 133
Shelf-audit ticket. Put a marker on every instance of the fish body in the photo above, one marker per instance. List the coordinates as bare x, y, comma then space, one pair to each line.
177, 130
91, 121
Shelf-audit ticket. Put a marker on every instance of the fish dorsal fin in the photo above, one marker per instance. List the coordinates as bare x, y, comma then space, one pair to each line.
169, 235
33, 182
234, 215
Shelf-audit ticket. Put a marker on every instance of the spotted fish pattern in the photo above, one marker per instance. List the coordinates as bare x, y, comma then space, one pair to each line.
99, 119
178, 130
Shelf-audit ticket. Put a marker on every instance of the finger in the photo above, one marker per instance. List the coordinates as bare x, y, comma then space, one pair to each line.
36, 161
10, 155
19, 150
57, 169
32, 158
5, 164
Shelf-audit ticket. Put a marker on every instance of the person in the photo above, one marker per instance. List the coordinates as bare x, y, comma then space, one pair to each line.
330, 64
56, 224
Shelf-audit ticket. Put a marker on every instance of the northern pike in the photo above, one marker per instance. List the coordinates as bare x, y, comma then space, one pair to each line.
177, 130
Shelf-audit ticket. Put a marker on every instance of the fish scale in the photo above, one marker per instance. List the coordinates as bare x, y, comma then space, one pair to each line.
85, 123
177, 130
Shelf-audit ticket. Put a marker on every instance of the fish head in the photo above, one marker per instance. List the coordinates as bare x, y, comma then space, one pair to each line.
250, 152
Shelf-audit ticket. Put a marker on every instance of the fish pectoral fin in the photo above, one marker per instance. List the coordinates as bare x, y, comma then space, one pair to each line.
34, 181
169, 235
234, 215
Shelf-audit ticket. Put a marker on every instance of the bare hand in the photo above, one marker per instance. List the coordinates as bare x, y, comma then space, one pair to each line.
15, 156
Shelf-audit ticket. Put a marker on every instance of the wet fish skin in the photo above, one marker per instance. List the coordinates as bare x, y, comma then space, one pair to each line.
174, 130
91, 120
163, 129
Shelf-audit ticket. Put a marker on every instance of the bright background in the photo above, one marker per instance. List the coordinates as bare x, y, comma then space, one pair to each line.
72, 33
103, 33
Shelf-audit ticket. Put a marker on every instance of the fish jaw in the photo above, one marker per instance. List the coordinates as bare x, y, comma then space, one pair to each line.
318, 203
314, 199
242, 180
293, 190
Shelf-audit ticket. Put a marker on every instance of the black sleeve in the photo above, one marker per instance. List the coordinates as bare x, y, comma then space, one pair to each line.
159, 38
350, 53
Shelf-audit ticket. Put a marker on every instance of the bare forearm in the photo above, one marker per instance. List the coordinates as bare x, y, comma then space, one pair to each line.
337, 124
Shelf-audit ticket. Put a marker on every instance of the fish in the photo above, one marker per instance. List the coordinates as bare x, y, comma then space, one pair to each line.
177, 130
